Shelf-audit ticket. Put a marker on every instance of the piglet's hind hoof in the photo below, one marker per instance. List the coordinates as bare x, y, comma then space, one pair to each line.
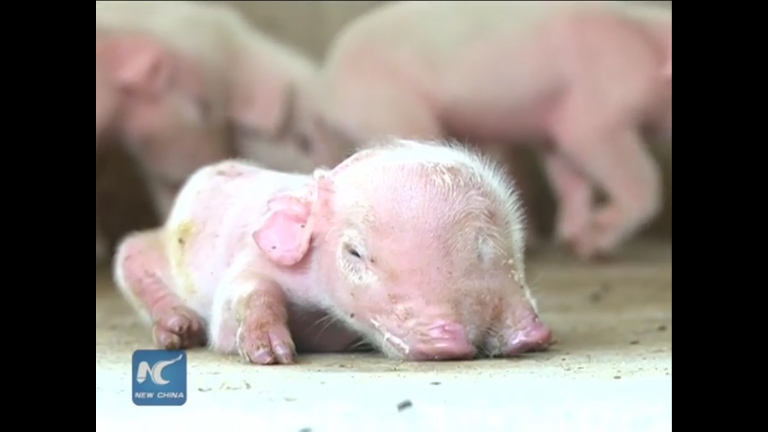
266, 347
588, 251
179, 328
584, 250
595, 256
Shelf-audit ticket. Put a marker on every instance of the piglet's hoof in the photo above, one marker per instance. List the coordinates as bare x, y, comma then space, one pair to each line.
590, 254
265, 344
585, 248
179, 328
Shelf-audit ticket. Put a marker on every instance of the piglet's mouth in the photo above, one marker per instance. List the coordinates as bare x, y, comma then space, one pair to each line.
361, 345
391, 340
443, 340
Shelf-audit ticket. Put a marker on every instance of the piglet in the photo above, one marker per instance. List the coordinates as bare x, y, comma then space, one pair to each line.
417, 247
177, 80
585, 75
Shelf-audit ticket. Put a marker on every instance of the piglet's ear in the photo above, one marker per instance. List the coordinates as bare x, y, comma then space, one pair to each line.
137, 63
285, 234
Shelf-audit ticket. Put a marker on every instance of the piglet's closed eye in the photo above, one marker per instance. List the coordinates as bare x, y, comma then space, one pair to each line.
284, 236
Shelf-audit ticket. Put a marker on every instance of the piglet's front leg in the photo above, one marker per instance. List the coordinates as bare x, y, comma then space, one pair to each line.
254, 311
263, 336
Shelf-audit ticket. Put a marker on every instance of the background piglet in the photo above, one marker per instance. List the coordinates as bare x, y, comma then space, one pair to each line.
585, 76
184, 84
418, 247
123, 201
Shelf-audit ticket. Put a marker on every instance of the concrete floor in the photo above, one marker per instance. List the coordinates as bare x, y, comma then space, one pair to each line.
611, 369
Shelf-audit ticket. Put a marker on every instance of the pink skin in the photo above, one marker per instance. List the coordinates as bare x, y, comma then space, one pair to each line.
154, 101
265, 264
226, 72
578, 73
193, 85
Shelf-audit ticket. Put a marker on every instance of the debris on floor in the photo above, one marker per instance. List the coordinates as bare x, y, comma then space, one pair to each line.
404, 405
598, 295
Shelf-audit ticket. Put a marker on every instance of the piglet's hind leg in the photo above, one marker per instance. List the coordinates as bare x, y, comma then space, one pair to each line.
574, 195
142, 274
620, 164
599, 136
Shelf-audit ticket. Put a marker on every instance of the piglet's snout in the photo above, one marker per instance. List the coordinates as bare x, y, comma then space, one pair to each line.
442, 341
533, 335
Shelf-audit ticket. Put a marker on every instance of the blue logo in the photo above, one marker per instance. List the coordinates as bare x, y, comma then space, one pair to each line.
159, 377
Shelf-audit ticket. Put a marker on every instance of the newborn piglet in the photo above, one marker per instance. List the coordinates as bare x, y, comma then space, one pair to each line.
415, 246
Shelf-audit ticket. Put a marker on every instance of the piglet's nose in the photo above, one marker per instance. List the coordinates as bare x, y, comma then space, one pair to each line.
533, 336
443, 341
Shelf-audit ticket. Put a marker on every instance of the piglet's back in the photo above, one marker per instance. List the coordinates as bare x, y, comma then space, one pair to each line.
221, 194
218, 209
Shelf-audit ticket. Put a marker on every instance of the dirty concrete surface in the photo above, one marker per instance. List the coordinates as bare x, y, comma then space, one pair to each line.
610, 369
